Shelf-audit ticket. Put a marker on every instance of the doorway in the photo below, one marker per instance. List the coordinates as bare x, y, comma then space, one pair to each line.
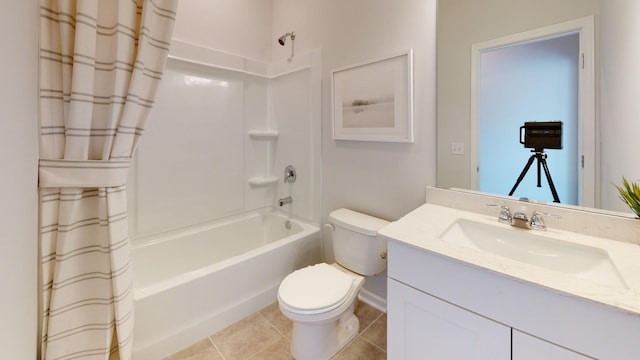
536, 81
536, 76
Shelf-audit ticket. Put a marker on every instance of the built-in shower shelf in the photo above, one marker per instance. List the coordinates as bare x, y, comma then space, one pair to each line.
262, 181
263, 134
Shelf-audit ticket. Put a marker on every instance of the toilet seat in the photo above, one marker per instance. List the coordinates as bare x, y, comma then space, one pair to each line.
315, 289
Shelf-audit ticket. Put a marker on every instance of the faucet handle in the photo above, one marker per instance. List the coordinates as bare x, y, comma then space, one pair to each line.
505, 214
289, 174
536, 220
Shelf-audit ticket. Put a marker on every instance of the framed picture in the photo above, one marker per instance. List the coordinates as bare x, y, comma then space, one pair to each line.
373, 101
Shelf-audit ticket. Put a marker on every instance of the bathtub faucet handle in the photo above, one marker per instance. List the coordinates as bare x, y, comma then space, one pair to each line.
289, 174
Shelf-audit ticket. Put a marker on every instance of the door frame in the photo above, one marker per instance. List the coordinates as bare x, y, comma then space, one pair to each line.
584, 27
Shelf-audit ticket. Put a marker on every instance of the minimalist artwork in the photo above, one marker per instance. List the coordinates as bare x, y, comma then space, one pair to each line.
373, 101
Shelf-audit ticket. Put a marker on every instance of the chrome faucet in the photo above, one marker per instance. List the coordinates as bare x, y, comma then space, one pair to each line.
284, 201
505, 214
520, 219
536, 222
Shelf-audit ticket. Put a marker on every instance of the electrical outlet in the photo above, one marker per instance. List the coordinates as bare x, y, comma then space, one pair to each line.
457, 148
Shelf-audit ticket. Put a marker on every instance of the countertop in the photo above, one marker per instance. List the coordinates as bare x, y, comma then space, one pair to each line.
422, 227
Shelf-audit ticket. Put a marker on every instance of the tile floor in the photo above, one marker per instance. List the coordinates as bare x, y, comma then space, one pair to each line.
267, 335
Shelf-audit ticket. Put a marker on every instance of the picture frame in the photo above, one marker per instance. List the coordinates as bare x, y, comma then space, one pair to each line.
373, 100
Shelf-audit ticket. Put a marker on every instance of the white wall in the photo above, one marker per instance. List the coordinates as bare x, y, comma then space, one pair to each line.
462, 23
240, 27
383, 179
619, 94
19, 209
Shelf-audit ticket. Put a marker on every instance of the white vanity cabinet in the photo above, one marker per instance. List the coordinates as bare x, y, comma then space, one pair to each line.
425, 327
527, 347
462, 285
436, 310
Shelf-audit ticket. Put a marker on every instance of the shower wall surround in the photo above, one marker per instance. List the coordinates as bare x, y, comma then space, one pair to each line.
200, 158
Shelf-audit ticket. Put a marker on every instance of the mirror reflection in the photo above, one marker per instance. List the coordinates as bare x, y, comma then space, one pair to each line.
479, 152
534, 158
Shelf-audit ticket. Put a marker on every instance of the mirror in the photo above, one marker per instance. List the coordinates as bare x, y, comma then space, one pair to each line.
462, 23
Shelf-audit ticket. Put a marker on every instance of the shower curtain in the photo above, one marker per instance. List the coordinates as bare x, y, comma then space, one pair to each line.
100, 64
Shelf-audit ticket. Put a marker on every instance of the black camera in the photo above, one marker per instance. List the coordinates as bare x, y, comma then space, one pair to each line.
541, 135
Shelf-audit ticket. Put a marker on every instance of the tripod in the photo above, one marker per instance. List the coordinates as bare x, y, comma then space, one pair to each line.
542, 159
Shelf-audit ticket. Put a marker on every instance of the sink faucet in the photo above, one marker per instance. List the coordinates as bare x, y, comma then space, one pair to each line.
505, 214
520, 219
536, 222
284, 201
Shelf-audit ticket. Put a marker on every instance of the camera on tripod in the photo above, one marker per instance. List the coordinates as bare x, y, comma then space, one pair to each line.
541, 135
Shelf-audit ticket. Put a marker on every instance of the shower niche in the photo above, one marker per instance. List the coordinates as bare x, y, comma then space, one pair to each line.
221, 130
263, 135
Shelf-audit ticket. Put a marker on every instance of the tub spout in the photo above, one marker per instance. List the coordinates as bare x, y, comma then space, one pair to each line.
284, 201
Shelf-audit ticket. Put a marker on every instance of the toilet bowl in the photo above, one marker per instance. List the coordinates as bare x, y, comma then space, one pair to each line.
320, 299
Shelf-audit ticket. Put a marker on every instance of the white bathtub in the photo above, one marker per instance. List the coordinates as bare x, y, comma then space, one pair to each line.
189, 285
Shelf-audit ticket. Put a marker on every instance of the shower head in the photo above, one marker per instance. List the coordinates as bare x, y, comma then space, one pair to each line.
283, 38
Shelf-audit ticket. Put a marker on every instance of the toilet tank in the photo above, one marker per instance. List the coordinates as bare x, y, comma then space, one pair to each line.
356, 243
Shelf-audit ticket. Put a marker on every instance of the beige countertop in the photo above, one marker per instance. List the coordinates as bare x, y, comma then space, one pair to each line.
423, 227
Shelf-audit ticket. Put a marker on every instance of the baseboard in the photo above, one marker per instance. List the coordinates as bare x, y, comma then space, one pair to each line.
372, 299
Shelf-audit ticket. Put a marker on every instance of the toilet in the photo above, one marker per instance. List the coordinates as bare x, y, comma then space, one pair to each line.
320, 299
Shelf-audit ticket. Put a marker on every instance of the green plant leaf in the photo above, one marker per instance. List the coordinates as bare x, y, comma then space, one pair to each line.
630, 194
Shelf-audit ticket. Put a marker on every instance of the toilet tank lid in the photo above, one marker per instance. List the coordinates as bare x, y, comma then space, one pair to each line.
355, 221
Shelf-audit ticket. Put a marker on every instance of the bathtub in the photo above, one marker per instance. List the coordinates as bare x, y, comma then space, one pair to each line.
192, 283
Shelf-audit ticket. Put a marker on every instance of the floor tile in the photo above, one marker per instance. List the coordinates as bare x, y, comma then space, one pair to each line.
273, 314
377, 332
361, 349
266, 335
246, 337
202, 350
366, 314
278, 351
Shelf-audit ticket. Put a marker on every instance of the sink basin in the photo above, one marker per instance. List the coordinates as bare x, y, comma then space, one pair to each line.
585, 262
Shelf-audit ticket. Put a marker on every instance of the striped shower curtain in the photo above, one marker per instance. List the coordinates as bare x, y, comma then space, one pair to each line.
100, 64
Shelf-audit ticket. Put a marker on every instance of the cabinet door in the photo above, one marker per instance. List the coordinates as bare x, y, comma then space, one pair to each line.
420, 326
527, 347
